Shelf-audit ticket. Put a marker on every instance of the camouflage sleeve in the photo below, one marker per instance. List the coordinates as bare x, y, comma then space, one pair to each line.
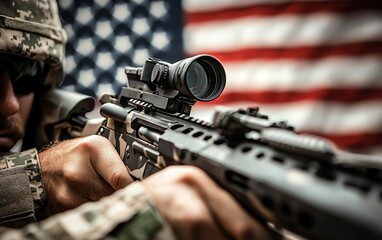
20, 188
127, 214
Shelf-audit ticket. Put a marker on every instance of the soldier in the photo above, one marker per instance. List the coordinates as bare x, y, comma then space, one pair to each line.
178, 202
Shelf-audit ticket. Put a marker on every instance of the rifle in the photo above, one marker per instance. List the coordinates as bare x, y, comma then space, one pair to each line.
291, 182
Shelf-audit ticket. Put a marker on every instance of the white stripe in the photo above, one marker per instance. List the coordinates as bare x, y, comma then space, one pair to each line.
282, 31
327, 118
304, 75
373, 151
213, 5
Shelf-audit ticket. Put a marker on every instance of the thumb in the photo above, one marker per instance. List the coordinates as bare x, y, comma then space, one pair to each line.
107, 162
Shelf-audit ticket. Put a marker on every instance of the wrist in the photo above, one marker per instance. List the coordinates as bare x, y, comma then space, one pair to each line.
30, 160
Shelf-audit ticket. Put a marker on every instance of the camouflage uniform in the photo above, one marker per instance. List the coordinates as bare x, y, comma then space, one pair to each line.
20, 188
127, 214
32, 29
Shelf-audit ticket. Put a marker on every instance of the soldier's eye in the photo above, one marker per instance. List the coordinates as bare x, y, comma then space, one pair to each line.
26, 74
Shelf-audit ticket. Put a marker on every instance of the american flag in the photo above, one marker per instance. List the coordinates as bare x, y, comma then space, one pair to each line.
316, 64
106, 36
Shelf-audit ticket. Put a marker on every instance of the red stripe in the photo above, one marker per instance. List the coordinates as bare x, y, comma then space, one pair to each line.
301, 52
344, 95
282, 8
354, 140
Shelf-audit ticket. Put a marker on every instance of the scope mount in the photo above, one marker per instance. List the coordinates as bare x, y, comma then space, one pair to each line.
176, 87
166, 103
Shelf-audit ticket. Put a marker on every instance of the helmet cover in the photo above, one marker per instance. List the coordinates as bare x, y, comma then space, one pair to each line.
32, 29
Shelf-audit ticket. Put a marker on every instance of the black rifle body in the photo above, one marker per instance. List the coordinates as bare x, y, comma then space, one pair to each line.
289, 182
298, 191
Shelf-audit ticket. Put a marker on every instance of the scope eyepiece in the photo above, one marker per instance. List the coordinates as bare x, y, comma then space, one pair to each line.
201, 77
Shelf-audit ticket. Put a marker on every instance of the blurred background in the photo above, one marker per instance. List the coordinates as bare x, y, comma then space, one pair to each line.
316, 64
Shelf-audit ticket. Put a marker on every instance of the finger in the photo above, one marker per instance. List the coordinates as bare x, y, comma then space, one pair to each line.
108, 163
246, 227
96, 189
80, 176
183, 208
233, 218
191, 216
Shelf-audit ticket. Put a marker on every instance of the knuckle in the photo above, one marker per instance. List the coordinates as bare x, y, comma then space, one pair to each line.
93, 139
190, 174
71, 173
243, 231
116, 179
195, 217
64, 201
93, 142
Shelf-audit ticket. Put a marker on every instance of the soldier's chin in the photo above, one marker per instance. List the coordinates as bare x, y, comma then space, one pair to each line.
6, 143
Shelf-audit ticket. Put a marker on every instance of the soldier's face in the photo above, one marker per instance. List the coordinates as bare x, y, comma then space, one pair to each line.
14, 113
16, 98
19, 79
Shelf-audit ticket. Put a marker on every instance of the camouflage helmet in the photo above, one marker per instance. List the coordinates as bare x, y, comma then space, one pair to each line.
32, 29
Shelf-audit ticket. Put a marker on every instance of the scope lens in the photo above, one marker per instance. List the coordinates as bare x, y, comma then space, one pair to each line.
204, 78
200, 78
197, 80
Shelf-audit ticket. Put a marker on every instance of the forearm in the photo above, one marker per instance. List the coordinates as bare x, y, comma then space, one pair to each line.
128, 213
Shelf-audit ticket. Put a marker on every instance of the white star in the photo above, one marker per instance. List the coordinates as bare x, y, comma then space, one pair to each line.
140, 56
101, 3
158, 9
104, 88
138, 2
122, 44
65, 4
70, 64
104, 60
85, 46
140, 26
160, 40
121, 12
84, 15
86, 78
121, 76
103, 29
69, 30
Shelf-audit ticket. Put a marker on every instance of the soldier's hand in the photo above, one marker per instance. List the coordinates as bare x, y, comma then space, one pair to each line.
80, 170
197, 208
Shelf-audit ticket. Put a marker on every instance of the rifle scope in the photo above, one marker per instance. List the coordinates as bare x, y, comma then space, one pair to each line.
201, 77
